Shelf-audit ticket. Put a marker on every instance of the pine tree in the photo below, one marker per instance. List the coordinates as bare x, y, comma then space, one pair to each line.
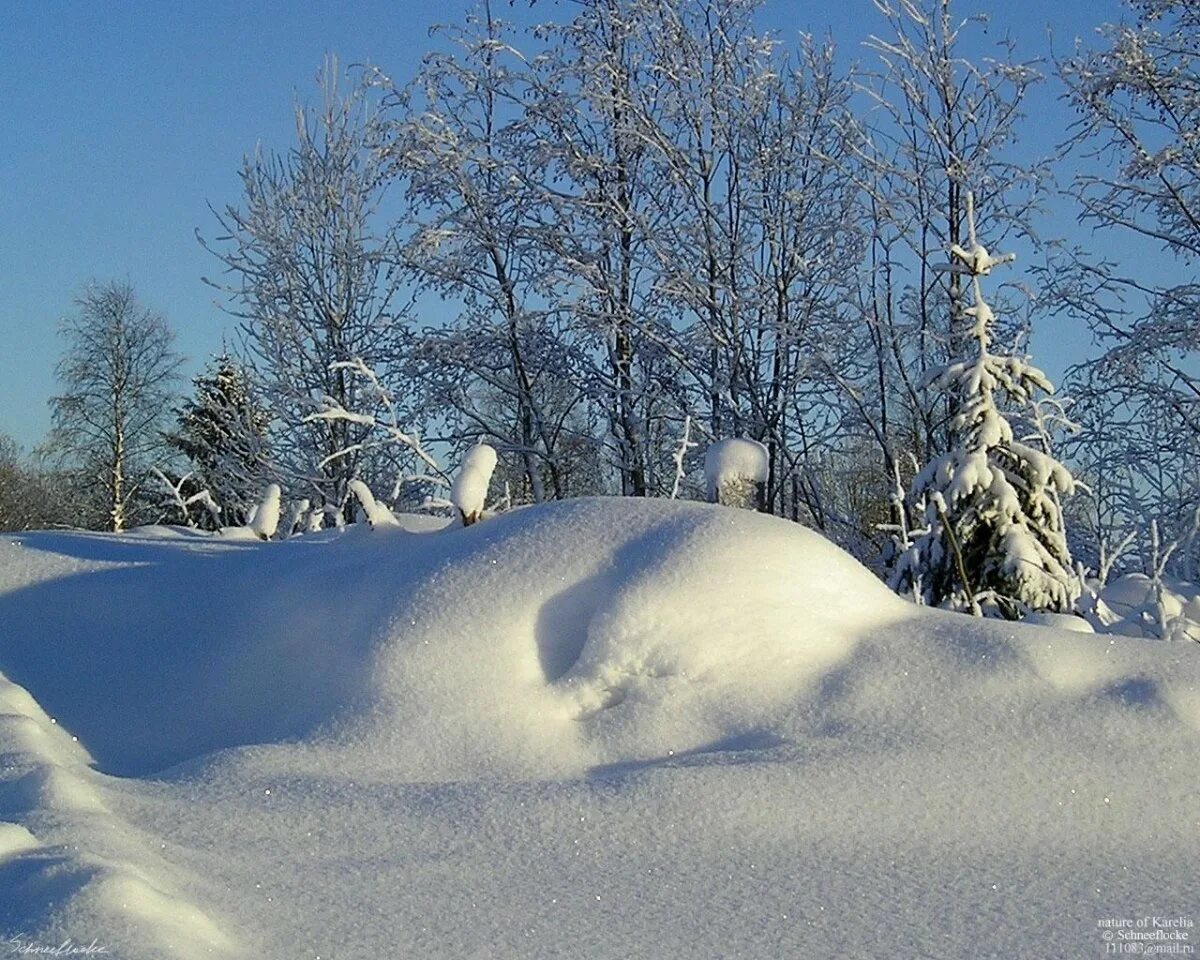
994, 536
223, 432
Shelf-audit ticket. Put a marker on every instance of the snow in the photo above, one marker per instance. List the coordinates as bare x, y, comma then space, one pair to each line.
601, 728
734, 461
1060, 621
468, 493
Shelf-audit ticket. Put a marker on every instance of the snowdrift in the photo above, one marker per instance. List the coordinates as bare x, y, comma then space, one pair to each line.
498, 650
593, 728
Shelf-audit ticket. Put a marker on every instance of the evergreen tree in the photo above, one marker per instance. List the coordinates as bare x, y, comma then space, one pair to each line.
223, 432
993, 534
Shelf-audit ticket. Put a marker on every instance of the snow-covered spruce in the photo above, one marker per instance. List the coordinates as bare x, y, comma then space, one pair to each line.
222, 431
735, 470
266, 515
468, 493
993, 536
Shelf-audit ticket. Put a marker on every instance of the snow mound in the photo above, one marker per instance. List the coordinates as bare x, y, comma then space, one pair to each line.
50, 874
596, 632
503, 648
1059, 621
549, 642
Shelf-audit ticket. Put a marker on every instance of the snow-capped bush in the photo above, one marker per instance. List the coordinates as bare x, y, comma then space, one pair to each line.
296, 517
266, 514
315, 521
993, 537
183, 501
333, 517
468, 493
376, 513
734, 470
1137, 605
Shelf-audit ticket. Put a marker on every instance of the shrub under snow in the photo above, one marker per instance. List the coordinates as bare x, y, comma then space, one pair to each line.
468, 493
1136, 605
733, 469
377, 515
296, 518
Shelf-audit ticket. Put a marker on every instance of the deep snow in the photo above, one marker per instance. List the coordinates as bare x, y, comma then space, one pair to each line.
601, 728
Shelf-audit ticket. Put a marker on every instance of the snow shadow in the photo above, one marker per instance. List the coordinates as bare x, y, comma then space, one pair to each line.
183, 651
563, 621
751, 747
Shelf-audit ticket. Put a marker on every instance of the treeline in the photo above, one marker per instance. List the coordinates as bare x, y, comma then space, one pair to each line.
594, 242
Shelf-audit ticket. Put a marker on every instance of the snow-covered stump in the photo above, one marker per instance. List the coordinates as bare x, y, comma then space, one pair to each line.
468, 493
266, 514
736, 472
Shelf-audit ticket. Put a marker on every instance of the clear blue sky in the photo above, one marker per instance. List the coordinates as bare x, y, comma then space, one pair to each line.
120, 122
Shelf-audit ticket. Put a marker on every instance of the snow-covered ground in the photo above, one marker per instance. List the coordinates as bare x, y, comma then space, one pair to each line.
598, 728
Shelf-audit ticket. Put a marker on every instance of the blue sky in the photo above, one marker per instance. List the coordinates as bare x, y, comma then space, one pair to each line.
121, 122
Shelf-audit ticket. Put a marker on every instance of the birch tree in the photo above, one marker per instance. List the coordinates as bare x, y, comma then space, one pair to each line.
117, 375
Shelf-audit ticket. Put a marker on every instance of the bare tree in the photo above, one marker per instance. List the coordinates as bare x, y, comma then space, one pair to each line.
314, 281
948, 114
1137, 96
460, 144
117, 374
599, 216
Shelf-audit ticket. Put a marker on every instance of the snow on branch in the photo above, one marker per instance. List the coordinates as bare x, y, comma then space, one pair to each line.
685, 444
203, 498
385, 424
